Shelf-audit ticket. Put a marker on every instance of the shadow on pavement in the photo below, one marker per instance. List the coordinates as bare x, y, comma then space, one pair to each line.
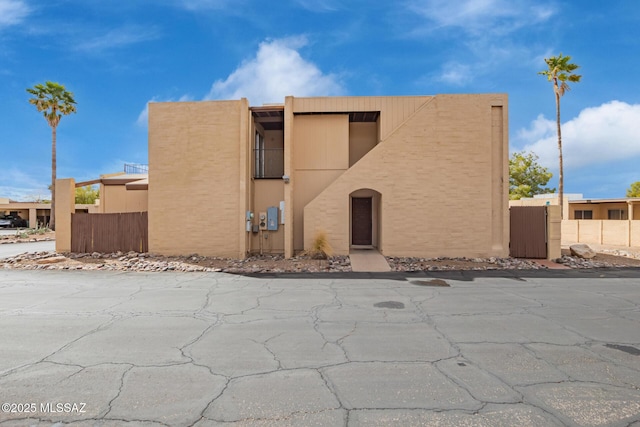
464, 275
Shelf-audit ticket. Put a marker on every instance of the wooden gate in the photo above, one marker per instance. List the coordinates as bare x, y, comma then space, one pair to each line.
528, 236
109, 233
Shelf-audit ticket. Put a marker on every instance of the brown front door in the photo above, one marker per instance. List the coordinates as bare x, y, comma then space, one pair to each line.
361, 221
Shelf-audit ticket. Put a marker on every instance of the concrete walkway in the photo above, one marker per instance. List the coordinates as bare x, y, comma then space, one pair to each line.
368, 261
13, 249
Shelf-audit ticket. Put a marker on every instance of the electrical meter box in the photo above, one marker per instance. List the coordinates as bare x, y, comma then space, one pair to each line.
262, 220
272, 218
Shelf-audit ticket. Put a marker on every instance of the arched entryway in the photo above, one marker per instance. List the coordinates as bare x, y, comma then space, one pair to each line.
364, 218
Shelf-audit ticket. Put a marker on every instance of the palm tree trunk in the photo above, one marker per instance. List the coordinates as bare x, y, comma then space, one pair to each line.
560, 170
52, 223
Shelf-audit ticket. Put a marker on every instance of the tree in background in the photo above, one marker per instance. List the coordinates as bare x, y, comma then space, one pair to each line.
559, 73
527, 177
87, 195
634, 190
54, 101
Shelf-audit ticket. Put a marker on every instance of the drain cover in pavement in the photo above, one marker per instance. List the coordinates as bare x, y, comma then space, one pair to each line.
434, 282
389, 304
626, 348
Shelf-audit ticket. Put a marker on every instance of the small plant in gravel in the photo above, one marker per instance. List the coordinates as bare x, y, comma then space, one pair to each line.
320, 248
24, 234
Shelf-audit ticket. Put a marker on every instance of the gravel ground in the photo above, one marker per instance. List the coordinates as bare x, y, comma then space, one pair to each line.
277, 264
133, 261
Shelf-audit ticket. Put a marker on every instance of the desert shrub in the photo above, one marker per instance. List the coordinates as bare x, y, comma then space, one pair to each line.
320, 248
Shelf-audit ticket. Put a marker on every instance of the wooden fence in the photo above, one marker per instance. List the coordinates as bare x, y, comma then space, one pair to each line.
108, 233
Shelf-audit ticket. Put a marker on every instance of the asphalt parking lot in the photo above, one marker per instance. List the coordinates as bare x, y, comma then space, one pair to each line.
202, 349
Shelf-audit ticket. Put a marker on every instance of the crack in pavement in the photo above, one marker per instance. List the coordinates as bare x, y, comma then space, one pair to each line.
335, 315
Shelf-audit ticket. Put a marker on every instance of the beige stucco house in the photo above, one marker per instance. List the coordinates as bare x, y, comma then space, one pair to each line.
408, 175
120, 192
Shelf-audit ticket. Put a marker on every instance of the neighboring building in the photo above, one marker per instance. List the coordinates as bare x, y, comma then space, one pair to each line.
120, 192
411, 176
597, 221
548, 199
603, 221
35, 213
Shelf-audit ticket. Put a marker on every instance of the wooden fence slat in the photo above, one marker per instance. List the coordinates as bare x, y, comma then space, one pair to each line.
109, 233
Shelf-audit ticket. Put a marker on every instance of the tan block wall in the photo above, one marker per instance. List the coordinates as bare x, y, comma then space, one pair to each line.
397, 108
590, 231
634, 234
615, 232
601, 232
194, 156
554, 232
569, 231
362, 138
442, 177
116, 198
320, 155
65, 206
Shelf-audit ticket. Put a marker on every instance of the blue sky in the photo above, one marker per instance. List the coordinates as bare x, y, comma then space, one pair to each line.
118, 55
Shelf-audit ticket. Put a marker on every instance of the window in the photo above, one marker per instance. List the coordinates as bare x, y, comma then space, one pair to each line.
617, 214
583, 215
268, 162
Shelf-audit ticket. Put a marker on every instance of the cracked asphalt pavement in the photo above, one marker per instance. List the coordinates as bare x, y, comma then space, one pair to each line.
206, 349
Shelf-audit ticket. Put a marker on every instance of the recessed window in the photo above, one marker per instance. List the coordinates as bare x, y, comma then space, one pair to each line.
268, 162
617, 214
583, 215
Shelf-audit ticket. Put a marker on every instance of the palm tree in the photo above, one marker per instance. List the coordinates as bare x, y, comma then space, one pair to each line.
54, 101
560, 72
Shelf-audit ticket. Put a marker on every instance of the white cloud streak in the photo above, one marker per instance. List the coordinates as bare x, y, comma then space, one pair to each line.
456, 74
482, 17
320, 6
484, 27
13, 12
277, 70
117, 38
598, 135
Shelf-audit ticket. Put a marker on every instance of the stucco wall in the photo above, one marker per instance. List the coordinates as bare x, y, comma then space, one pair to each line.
197, 180
116, 198
320, 155
442, 175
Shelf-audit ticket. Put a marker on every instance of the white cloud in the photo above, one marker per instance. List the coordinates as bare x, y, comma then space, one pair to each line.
116, 38
480, 32
320, 5
276, 71
12, 12
482, 16
456, 74
598, 135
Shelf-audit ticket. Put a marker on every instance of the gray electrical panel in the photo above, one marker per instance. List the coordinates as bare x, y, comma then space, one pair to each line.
272, 218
